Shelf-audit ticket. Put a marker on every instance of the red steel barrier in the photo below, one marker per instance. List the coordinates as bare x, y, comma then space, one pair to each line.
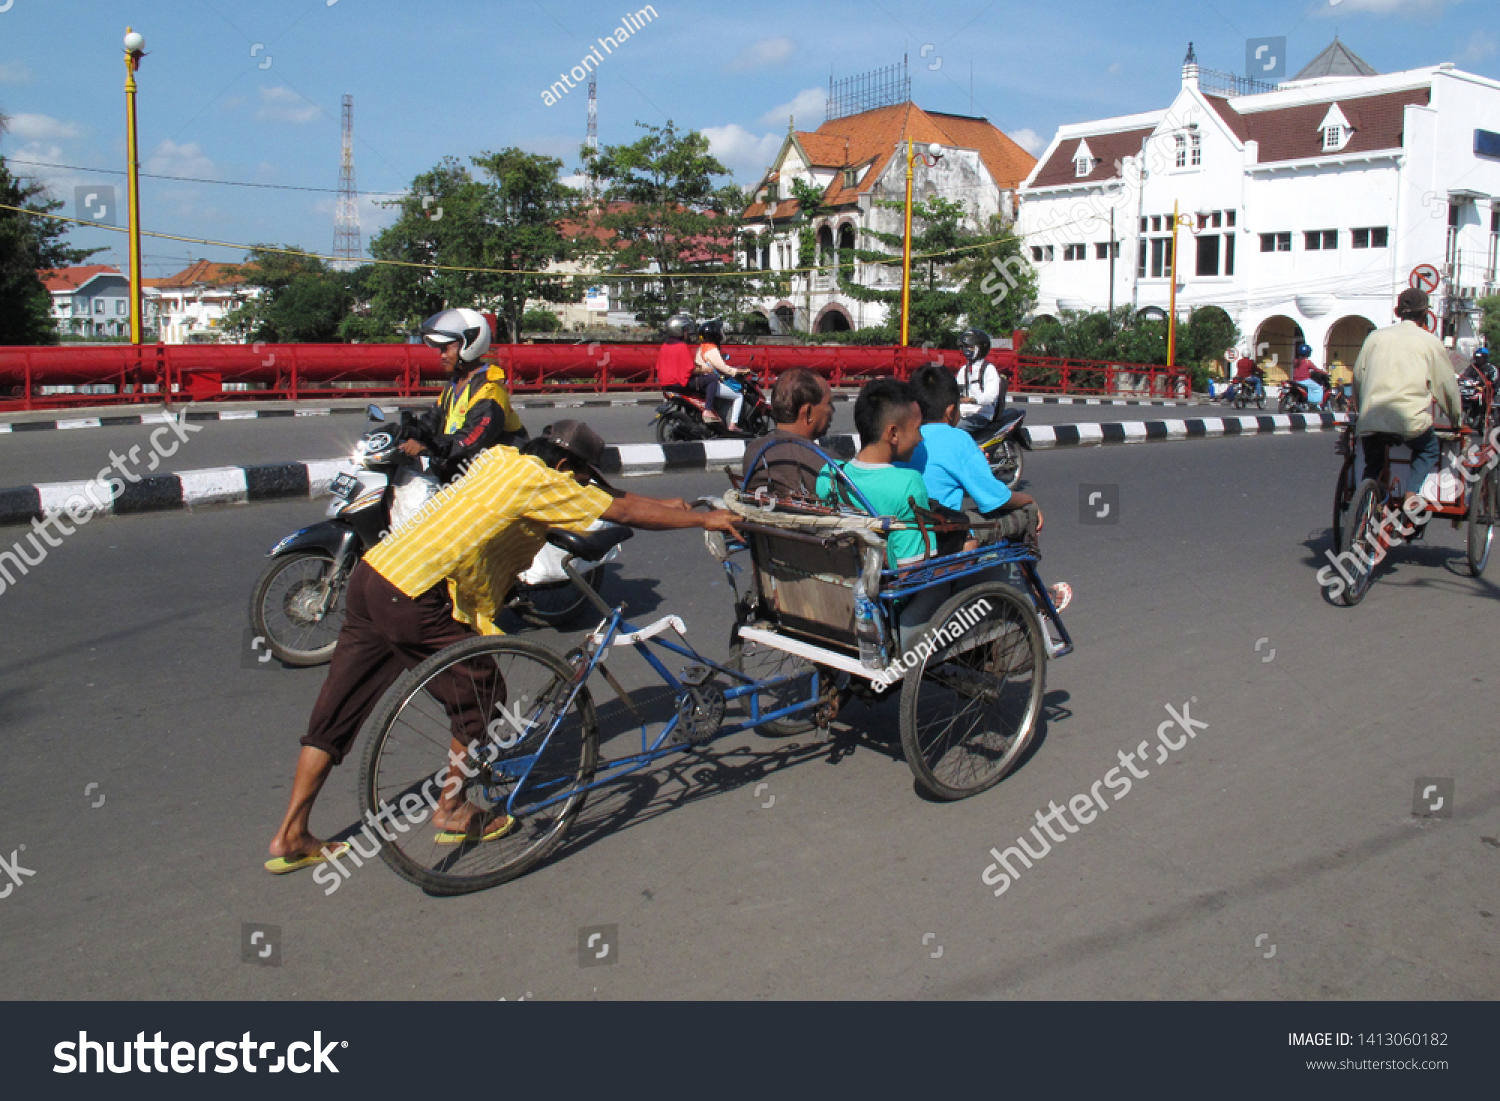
199, 372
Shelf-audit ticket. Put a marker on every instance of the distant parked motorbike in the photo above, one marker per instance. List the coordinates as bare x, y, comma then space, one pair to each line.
1004, 443
298, 602
1244, 394
679, 418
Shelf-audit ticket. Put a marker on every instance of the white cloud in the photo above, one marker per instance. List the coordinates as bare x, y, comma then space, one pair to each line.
42, 128
1115, 69
171, 159
768, 51
281, 104
14, 72
1029, 140
742, 152
807, 107
1401, 7
1481, 45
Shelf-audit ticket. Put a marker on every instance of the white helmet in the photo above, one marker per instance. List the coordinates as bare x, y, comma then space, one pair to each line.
468, 328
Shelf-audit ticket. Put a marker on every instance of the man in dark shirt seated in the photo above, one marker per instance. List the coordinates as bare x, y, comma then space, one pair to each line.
802, 406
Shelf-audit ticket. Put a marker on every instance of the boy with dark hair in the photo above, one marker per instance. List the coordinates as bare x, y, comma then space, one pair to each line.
889, 421
951, 463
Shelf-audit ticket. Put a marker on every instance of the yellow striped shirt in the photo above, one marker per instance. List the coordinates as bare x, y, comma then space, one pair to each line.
483, 530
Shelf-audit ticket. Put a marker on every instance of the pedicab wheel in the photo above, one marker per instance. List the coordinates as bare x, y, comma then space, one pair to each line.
286, 607
761, 662
1482, 508
1342, 495
1359, 525
970, 708
541, 744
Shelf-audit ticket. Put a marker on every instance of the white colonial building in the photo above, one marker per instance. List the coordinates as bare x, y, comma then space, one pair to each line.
856, 161
1305, 207
189, 307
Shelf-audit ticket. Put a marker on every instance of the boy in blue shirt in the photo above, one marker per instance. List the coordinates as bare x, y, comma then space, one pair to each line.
889, 421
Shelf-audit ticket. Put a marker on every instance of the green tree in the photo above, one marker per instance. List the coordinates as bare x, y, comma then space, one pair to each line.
1489, 327
302, 301
952, 278
29, 245
508, 218
672, 220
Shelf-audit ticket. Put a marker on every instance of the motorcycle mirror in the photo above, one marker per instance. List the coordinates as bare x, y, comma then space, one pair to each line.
376, 413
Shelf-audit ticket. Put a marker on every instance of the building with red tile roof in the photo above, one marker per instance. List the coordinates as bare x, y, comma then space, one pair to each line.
1304, 207
856, 162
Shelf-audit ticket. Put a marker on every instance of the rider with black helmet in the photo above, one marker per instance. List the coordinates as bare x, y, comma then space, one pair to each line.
710, 361
473, 413
676, 366
983, 385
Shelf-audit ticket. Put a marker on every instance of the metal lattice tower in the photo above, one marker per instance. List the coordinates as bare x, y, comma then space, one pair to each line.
346, 238
592, 141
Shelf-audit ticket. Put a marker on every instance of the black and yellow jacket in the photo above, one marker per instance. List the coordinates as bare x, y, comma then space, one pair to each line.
471, 415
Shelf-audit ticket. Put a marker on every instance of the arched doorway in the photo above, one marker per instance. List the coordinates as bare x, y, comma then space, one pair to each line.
825, 247
846, 249
757, 324
784, 318
833, 319
1276, 346
1345, 340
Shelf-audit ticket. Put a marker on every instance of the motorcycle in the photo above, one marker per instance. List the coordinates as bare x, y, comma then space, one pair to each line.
679, 418
1244, 394
1004, 443
297, 605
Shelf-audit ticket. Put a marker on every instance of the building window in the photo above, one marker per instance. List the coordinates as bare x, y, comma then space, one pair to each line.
1333, 139
1075, 252
1229, 218
1102, 250
119, 307
1228, 254
1040, 253
1275, 242
1161, 258
773, 192
1494, 243
1325, 240
1181, 150
1156, 223
1374, 237
98, 307
1216, 219
1197, 150
1208, 254
1140, 258
851, 177
1082, 167
1143, 225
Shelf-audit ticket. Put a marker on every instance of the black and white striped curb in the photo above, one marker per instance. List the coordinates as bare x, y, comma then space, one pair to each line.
522, 402
286, 481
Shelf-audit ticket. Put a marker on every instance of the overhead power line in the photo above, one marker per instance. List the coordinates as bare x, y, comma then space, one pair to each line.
200, 179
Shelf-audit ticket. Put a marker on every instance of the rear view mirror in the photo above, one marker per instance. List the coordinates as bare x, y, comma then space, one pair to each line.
376, 413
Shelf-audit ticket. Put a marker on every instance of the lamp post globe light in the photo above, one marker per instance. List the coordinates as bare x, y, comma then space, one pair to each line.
135, 49
930, 158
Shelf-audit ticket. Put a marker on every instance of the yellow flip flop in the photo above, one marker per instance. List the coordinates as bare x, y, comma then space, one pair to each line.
281, 865
459, 837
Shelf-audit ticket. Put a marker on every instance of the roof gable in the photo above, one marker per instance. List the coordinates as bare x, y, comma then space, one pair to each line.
1335, 60
1109, 151
1296, 133
71, 279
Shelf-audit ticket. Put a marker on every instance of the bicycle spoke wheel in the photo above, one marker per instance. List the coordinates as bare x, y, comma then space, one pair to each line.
1481, 523
1359, 540
508, 702
970, 709
761, 662
1342, 495
558, 604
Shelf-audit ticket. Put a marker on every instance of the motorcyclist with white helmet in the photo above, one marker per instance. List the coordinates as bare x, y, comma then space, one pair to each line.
474, 411
983, 385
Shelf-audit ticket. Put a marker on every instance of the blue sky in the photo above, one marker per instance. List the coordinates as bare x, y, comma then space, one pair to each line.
466, 76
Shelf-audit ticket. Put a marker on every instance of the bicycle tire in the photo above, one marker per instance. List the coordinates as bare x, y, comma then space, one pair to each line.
564, 763
762, 663
1481, 526
557, 605
1343, 493
1357, 526
1007, 643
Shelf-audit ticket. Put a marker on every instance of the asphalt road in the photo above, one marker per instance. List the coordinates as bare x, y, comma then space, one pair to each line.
1275, 856
71, 454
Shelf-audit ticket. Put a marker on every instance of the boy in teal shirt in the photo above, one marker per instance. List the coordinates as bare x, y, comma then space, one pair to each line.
889, 421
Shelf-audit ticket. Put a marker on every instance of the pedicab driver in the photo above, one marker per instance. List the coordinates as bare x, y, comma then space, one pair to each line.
1401, 370
438, 582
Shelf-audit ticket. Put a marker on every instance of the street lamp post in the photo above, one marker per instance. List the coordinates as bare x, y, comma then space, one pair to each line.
135, 46
930, 158
1193, 226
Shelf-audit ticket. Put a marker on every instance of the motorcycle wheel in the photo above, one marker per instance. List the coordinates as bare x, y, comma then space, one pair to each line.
1260, 402
1239, 402
676, 427
281, 609
555, 606
1008, 462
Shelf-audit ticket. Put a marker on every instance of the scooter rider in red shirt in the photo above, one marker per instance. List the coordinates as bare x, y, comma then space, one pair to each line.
1246, 369
675, 365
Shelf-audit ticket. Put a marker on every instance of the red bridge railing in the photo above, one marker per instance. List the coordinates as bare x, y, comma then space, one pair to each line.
125, 374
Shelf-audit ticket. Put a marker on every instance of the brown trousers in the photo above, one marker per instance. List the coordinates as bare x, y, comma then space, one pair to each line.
386, 633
